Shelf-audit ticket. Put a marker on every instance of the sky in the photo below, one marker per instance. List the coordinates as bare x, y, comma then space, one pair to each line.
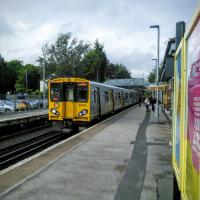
121, 25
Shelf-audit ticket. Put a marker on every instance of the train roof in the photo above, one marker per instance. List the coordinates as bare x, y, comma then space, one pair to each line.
109, 86
75, 79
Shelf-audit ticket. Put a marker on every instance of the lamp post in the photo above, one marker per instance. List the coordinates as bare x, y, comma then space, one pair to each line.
155, 59
97, 74
44, 88
26, 81
157, 71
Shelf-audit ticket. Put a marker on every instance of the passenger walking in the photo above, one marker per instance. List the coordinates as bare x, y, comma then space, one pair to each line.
147, 103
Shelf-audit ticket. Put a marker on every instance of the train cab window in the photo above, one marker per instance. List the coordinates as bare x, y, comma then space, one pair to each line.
56, 91
81, 92
69, 91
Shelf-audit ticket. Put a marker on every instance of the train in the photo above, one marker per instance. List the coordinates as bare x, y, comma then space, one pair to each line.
75, 102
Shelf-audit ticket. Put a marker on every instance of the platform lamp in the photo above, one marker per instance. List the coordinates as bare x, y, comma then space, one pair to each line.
155, 59
157, 73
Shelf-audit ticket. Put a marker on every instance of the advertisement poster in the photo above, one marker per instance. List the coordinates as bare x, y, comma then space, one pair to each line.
193, 66
193, 114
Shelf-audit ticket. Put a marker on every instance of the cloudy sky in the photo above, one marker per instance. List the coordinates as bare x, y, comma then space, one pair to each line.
121, 25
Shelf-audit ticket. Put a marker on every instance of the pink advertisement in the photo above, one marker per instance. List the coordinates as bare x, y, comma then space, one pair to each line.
193, 78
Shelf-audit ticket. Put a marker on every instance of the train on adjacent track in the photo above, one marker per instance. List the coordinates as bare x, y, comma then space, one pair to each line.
75, 102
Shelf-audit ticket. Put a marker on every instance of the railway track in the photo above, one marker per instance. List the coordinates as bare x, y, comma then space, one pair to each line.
14, 153
23, 132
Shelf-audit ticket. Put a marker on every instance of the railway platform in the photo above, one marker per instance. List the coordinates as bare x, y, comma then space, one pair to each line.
22, 117
127, 156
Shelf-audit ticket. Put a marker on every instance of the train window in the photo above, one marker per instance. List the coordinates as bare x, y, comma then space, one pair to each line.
119, 95
81, 92
115, 97
95, 96
106, 96
125, 96
69, 91
119, 98
56, 91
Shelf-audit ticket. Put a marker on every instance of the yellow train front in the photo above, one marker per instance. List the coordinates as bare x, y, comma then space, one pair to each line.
69, 101
74, 102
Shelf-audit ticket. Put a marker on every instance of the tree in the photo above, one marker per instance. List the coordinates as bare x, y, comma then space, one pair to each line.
8, 76
95, 63
151, 77
117, 71
20, 88
33, 78
16, 65
64, 57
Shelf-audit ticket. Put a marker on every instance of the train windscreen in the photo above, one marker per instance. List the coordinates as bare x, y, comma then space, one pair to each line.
56, 91
81, 92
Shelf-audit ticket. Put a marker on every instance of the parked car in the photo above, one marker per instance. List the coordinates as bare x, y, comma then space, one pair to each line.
33, 104
41, 102
2, 108
6, 106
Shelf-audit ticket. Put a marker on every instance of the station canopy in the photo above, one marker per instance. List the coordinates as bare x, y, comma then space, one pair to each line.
161, 86
133, 83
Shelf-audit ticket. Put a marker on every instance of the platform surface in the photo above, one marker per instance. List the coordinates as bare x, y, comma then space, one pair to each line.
128, 159
21, 115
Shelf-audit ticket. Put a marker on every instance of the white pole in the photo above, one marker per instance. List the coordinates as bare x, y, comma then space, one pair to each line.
44, 83
157, 77
158, 55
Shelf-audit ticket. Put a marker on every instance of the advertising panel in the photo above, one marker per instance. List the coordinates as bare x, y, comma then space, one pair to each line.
193, 114
178, 108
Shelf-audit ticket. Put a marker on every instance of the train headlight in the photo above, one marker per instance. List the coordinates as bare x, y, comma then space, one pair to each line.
82, 113
55, 112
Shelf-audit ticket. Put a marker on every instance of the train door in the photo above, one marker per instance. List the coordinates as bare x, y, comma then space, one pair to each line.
69, 100
94, 111
99, 101
113, 100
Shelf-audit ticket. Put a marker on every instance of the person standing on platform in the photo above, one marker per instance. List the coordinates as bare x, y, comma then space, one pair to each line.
147, 103
153, 101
